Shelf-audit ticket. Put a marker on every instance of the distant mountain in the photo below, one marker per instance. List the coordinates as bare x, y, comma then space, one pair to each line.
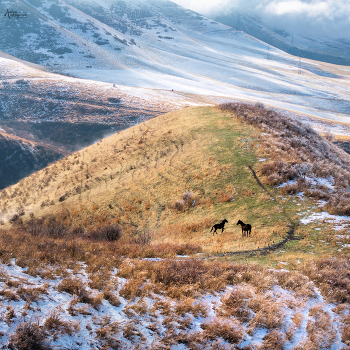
162, 46
319, 48
75, 34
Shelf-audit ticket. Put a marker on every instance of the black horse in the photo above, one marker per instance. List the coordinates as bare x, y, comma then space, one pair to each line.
245, 228
219, 226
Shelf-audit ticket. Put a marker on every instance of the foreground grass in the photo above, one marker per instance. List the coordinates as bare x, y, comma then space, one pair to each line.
159, 304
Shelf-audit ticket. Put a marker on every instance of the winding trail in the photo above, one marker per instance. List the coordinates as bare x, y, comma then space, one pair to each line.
273, 247
268, 249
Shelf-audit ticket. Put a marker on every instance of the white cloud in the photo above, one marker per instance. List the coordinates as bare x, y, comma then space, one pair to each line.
297, 7
325, 17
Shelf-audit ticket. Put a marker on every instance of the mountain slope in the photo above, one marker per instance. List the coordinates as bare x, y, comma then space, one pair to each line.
33, 95
175, 53
307, 46
19, 158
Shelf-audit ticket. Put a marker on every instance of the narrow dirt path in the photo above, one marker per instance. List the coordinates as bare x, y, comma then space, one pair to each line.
268, 249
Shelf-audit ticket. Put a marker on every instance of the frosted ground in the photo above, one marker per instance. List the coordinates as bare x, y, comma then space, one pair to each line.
71, 323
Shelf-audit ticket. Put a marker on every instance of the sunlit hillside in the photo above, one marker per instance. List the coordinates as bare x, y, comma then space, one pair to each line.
177, 175
111, 246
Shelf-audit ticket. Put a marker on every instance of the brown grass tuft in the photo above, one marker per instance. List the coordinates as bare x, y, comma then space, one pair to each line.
230, 330
236, 302
274, 340
53, 322
76, 287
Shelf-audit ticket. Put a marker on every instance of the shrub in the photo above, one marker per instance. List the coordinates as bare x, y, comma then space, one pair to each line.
29, 336
186, 201
16, 219
179, 205
346, 331
236, 302
223, 197
34, 227
73, 286
143, 237
54, 228
338, 205
317, 194
290, 189
53, 322
132, 289
111, 297
107, 233
76, 287
187, 198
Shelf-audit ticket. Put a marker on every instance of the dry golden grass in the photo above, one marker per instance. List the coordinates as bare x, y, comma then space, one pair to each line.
332, 277
274, 340
236, 302
190, 306
167, 180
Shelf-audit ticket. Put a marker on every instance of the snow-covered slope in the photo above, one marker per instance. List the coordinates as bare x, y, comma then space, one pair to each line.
319, 48
171, 53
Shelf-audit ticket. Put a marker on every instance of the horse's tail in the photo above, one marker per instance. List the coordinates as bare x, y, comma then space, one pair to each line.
212, 229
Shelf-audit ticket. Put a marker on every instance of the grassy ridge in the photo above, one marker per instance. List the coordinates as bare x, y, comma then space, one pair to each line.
154, 191
140, 177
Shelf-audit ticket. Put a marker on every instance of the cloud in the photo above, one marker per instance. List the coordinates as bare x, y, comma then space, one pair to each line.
297, 7
319, 17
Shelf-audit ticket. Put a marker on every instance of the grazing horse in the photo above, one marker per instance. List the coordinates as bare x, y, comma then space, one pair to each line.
219, 226
245, 228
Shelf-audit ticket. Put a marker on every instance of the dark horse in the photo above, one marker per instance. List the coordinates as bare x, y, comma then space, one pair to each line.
245, 228
219, 226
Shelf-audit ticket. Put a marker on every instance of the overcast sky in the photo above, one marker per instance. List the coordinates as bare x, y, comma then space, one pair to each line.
324, 17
